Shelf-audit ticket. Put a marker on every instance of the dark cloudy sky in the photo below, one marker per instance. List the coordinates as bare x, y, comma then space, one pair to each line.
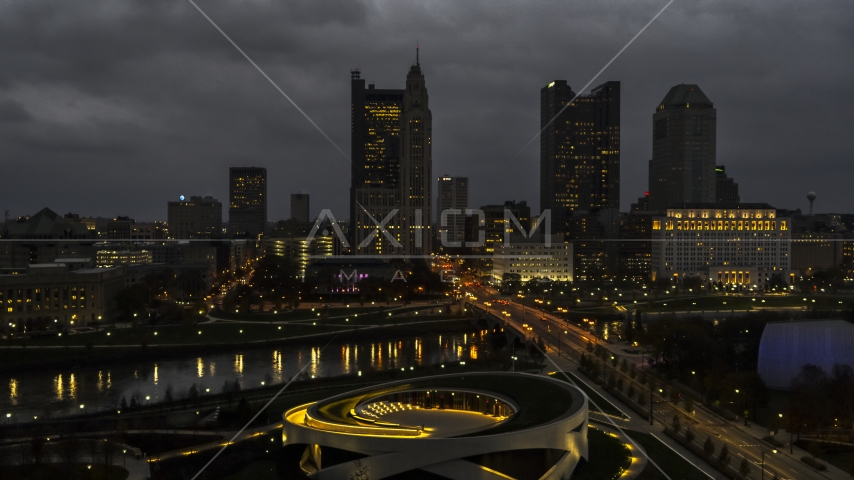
116, 107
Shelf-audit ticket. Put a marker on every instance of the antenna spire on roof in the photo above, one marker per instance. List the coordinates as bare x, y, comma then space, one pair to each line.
417, 63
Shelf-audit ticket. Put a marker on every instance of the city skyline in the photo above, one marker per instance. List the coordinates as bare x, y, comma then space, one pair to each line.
483, 117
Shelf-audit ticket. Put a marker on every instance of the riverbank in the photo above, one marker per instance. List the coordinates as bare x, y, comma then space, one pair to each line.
78, 354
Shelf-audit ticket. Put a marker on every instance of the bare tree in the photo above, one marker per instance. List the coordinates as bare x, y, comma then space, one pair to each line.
92, 447
69, 450
109, 452
114, 397
24, 454
37, 449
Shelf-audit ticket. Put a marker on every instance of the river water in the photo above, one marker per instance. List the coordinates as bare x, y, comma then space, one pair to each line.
63, 390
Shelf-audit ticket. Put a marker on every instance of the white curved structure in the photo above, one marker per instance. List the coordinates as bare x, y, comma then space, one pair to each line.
447, 425
787, 346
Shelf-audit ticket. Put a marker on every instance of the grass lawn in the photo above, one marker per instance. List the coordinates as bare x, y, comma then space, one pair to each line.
309, 313
608, 457
176, 334
669, 461
257, 470
732, 302
607, 406
304, 313
55, 470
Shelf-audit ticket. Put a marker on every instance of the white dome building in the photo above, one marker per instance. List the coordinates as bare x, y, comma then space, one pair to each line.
787, 346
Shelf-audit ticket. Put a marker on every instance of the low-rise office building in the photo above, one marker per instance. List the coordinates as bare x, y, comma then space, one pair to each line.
534, 259
52, 294
299, 250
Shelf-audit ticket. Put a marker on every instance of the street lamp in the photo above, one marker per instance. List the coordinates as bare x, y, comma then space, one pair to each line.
763, 461
513, 369
791, 434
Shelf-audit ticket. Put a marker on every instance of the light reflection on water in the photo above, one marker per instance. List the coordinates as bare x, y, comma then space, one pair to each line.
62, 389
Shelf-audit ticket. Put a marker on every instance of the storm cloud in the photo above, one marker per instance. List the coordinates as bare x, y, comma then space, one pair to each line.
116, 107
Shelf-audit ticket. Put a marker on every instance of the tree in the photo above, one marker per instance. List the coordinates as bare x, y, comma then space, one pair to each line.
724, 456
109, 452
688, 404
361, 472
37, 449
814, 449
744, 468
92, 447
709, 446
69, 449
676, 424
810, 402
689, 435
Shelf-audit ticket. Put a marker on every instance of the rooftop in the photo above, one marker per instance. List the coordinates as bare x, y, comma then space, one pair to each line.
686, 94
541, 399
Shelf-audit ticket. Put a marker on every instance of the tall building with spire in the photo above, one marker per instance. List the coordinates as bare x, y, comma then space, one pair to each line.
391, 167
682, 169
416, 163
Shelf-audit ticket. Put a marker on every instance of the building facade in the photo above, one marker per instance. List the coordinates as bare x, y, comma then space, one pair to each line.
579, 149
815, 251
535, 258
247, 202
496, 225
51, 296
635, 253
300, 250
733, 244
198, 217
726, 190
42, 238
113, 257
451, 203
299, 207
594, 235
682, 169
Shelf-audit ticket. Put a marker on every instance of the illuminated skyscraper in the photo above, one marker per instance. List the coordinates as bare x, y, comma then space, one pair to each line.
247, 206
579, 150
375, 167
682, 169
416, 164
391, 136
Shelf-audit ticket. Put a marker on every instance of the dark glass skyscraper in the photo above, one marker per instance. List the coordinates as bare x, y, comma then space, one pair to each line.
579, 150
247, 202
682, 169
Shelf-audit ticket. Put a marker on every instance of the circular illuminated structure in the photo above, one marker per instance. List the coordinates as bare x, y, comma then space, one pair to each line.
460, 426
